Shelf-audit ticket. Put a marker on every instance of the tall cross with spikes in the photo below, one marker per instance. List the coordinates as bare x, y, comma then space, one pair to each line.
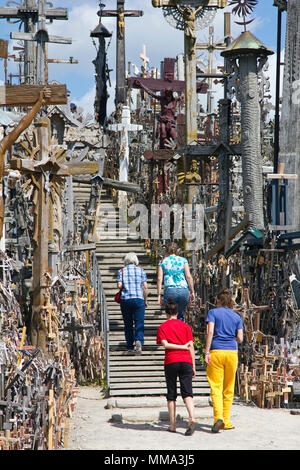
243, 8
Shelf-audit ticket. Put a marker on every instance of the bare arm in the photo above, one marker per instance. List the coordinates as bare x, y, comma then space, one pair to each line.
160, 276
198, 9
145, 292
147, 90
239, 336
190, 281
192, 351
210, 328
181, 347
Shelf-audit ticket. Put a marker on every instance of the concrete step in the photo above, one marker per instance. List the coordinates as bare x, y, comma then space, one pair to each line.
134, 392
149, 374
134, 375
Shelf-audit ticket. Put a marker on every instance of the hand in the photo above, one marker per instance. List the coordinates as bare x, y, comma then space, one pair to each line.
46, 93
207, 359
137, 83
192, 297
159, 300
194, 372
146, 303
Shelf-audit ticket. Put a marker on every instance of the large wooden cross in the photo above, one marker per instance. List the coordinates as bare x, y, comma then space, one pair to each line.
24, 95
189, 9
45, 174
168, 80
28, 13
120, 15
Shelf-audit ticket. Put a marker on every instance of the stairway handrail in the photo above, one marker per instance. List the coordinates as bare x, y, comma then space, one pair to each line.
104, 321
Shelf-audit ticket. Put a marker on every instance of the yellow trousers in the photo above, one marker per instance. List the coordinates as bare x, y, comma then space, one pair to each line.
221, 377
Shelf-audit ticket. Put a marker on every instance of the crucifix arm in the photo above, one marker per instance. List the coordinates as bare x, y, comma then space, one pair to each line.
21, 126
147, 90
198, 9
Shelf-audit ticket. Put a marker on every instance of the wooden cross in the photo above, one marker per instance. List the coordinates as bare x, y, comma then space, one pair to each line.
120, 15
38, 96
44, 174
42, 38
168, 80
28, 13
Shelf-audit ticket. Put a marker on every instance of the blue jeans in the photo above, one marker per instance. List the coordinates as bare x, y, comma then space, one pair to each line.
180, 295
133, 311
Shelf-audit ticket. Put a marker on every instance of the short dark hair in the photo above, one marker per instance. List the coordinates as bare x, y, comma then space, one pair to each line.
171, 307
171, 248
225, 298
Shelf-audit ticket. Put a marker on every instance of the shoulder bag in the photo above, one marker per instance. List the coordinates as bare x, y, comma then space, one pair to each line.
118, 295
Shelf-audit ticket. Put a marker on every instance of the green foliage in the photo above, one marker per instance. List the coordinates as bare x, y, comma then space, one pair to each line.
199, 349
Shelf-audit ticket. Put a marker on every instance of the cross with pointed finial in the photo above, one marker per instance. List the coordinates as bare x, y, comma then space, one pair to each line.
243, 8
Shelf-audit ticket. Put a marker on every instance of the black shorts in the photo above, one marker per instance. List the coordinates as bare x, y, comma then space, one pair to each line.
184, 371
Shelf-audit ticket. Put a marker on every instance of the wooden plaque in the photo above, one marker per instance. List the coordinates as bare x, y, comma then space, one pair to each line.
27, 95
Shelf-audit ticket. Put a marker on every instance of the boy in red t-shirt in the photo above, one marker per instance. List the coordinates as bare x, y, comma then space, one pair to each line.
177, 339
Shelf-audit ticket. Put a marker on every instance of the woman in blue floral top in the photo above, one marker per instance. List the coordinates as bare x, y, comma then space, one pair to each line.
178, 282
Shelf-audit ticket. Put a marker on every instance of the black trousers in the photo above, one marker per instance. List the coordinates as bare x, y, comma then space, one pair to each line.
184, 371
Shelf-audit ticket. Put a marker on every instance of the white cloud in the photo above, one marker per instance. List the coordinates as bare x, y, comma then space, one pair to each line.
86, 102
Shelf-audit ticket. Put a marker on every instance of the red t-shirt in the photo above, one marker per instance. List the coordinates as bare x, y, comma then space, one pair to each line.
175, 332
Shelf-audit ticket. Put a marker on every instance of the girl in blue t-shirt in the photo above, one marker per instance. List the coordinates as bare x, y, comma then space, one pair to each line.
224, 331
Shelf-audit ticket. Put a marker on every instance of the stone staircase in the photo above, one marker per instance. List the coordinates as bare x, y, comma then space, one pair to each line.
143, 375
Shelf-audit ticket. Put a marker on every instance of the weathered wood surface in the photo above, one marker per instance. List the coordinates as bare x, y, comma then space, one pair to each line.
3, 48
28, 95
17, 12
66, 169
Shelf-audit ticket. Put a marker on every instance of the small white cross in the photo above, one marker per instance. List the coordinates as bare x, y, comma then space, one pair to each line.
144, 58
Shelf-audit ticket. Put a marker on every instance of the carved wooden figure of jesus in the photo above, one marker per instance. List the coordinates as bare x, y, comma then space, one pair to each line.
167, 120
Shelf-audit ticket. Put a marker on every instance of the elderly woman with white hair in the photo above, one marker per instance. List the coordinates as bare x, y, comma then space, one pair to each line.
132, 281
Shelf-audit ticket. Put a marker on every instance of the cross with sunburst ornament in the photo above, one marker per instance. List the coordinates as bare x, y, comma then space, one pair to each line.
243, 8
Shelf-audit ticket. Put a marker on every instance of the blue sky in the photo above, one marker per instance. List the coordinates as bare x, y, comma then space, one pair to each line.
160, 38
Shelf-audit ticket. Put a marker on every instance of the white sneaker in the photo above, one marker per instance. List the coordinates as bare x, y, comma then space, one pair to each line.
138, 347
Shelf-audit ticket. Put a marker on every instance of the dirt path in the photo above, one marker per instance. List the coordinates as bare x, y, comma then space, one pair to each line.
92, 428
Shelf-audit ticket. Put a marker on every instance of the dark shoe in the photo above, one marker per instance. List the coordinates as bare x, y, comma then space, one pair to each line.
171, 430
216, 427
191, 429
129, 352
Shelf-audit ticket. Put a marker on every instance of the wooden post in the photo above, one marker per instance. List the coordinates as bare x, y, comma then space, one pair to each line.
120, 15
51, 403
40, 253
